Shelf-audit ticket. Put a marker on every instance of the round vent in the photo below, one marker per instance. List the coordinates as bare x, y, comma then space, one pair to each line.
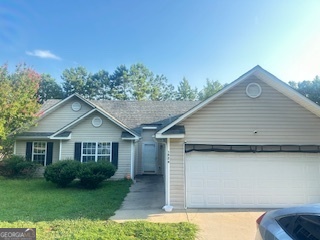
253, 90
76, 106
97, 121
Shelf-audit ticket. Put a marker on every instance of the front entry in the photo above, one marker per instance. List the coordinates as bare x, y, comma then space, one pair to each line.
149, 157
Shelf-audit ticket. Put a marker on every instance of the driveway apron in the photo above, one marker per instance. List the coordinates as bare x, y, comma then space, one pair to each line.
146, 199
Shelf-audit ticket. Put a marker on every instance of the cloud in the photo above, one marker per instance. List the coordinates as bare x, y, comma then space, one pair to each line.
43, 54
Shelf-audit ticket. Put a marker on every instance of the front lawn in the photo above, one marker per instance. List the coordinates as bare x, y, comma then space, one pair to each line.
37, 200
73, 213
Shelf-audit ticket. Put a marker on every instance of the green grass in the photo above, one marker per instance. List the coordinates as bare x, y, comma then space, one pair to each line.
37, 200
73, 213
89, 229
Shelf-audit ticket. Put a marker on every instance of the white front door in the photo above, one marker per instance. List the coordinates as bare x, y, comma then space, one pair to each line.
149, 158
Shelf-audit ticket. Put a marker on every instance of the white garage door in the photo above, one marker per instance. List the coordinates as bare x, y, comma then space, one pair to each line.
249, 180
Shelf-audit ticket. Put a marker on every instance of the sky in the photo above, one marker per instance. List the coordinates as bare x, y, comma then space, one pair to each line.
195, 39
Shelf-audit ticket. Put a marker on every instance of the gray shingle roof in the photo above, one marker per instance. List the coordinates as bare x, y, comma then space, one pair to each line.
136, 113
49, 103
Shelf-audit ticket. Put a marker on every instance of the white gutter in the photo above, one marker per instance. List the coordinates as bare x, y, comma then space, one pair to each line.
160, 135
167, 207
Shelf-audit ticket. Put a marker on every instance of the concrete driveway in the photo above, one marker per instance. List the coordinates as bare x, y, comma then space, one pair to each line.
146, 199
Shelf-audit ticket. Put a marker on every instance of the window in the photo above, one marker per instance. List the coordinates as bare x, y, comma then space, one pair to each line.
96, 152
39, 152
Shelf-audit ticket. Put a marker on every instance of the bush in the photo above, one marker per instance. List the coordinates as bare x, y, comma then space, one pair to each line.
62, 173
16, 166
91, 174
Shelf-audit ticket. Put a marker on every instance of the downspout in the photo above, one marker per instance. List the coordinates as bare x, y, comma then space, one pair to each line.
167, 207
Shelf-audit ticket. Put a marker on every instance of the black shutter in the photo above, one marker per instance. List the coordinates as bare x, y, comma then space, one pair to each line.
29, 151
77, 151
49, 153
115, 154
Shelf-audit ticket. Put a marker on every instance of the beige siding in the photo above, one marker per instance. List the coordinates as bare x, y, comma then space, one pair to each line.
60, 117
177, 186
233, 118
107, 132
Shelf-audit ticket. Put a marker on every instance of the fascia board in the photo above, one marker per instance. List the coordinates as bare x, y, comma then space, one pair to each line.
159, 135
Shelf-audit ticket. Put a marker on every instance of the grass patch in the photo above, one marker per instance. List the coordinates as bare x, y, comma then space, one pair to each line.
73, 213
90, 229
37, 200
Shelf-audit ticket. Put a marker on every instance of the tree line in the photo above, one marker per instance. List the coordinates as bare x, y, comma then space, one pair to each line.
134, 83
23, 91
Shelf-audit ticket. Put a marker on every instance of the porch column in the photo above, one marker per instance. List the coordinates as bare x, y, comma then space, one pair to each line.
132, 160
167, 207
60, 150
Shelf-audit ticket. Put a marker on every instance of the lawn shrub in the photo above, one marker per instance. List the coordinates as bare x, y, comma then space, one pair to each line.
91, 174
15, 166
63, 172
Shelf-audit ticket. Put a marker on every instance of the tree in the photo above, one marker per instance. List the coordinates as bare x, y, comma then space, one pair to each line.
160, 90
185, 92
210, 89
101, 81
49, 89
75, 80
18, 101
139, 81
119, 83
310, 89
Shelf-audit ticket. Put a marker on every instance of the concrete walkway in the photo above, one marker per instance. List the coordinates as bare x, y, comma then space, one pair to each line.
146, 199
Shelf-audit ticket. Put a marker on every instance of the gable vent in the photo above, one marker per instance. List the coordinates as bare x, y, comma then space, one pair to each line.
253, 90
97, 121
76, 106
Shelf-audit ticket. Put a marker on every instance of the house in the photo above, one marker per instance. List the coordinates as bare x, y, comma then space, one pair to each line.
254, 144
101, 130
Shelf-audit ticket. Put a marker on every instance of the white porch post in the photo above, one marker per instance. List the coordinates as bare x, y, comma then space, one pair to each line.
167, 207
132, 160
15, 147
60, 150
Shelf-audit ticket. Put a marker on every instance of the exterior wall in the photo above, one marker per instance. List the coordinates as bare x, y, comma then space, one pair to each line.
107, 132
62, 116
233, 118
177, 173
86, 132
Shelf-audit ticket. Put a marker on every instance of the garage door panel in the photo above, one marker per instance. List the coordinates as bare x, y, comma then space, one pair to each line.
235, 180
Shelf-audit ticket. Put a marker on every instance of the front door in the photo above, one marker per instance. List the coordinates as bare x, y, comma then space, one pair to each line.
149, 158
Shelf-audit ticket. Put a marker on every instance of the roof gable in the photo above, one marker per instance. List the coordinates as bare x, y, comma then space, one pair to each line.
262, 75
130, 115
108, 116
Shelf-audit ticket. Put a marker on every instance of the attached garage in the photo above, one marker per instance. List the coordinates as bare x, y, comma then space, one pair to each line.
251, 180
254, 144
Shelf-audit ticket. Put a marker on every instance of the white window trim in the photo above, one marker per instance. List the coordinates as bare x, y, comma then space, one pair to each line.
45, 153
96, 150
